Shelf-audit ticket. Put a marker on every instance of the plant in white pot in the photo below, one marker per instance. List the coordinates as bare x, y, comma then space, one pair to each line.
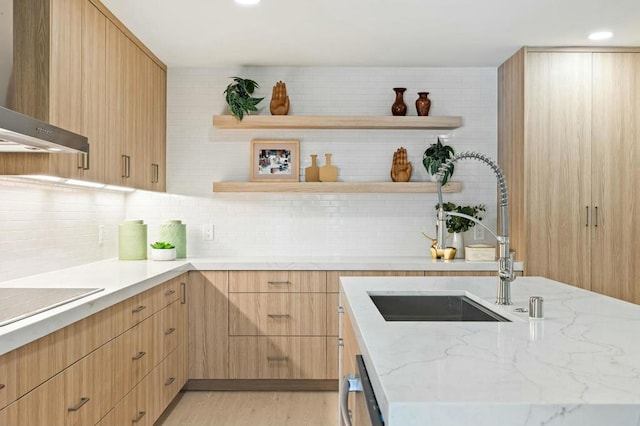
161, 250
457, 225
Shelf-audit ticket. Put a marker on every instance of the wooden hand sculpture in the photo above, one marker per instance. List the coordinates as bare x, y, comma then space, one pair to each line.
279, 99
400, 168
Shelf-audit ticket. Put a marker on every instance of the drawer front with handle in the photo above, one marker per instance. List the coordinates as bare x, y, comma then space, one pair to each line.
277, 281
277, 314
8, 378
277, 357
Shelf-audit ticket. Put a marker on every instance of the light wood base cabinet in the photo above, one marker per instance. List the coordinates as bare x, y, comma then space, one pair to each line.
98, 370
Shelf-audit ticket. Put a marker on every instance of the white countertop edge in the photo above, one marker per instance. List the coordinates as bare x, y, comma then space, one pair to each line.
124, 279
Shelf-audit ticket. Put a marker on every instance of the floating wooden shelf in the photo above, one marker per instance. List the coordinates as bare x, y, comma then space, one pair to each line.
335, 187
335, 122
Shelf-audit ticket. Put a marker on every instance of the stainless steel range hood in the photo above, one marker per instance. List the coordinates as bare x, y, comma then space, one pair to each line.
18, 132
21, 133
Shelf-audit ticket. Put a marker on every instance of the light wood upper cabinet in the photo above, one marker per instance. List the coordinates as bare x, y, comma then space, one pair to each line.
93, 77
567, 141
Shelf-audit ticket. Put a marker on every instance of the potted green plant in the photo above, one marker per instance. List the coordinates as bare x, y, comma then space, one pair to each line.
238, 97
161, 250
457, 225
435, 156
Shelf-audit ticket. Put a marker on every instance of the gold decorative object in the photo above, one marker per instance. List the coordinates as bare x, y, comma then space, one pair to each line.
447, 253
328, 172
400, 168
312, 173
279, 100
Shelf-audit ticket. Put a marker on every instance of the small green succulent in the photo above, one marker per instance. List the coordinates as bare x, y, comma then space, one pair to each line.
162, 245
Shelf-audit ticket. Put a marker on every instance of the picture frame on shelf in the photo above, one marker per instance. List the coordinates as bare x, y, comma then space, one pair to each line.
275, 161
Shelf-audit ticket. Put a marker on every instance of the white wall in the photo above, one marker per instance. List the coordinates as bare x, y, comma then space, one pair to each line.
318, 224
46, 227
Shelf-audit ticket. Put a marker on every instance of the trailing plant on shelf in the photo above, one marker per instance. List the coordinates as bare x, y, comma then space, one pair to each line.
435, 156
460, 224
238, 97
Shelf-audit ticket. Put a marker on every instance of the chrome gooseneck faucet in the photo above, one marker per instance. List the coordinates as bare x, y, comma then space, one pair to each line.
505, 266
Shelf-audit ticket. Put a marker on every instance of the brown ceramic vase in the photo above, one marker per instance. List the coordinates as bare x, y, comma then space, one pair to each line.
399, 107
423, 104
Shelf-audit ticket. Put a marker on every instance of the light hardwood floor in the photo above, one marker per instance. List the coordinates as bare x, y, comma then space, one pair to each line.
252, 408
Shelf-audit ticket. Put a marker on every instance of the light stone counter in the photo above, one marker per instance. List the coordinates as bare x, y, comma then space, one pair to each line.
123, 279
578, 366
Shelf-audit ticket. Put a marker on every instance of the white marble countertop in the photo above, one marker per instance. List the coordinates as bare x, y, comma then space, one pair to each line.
578, 366
123, 279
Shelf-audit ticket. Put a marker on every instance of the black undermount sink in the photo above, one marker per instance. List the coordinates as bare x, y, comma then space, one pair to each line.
433, 308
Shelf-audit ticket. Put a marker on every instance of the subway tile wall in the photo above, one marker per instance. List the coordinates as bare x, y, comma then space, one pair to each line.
318, 224
44, 227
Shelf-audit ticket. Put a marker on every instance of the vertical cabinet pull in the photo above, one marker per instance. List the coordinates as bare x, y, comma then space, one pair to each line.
138, 356
78, 405
169, 381
124, 166
587, 216
128, 166
139, 417
183, 296
595, 221
87, 157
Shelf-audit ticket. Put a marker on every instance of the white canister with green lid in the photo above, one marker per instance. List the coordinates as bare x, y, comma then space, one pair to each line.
175, 232
132, 240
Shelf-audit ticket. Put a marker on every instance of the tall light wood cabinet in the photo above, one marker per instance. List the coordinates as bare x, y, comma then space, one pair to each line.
567, 138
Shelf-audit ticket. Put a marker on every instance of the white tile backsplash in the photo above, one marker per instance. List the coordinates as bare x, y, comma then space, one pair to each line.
46, 227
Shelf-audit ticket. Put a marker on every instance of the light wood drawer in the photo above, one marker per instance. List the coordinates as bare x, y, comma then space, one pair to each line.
40, 360
277, 357
277, 281
333, 323
333, 353
277, 314
172, 289
8, 378
166, 330
333, 277
170, 379
9, 415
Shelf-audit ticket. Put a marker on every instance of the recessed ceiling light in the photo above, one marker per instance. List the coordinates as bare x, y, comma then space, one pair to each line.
247, 2
600, 35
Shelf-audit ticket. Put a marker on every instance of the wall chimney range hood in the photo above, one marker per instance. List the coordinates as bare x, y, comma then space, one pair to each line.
21, 133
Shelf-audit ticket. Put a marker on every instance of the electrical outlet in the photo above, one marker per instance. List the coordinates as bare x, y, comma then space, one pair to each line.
207, 232
478, 233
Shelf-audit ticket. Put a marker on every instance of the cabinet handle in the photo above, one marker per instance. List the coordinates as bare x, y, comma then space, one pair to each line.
124, 166
340, 342
169, 331
128, 166
169, 381
138, 356
279, 315
153, 173
277, 358
278, 282
87, 156
587, 216
2, 386
183, 296
138, 417
138, 309
340, 310
596, 219
169, 292
78, 405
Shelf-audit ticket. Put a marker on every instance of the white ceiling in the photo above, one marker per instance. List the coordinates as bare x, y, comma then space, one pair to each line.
369, 32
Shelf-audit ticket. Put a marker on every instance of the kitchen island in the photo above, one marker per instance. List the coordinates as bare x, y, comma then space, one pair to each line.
578, 366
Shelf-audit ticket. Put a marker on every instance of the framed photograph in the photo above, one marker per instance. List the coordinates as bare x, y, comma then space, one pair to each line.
275, 161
